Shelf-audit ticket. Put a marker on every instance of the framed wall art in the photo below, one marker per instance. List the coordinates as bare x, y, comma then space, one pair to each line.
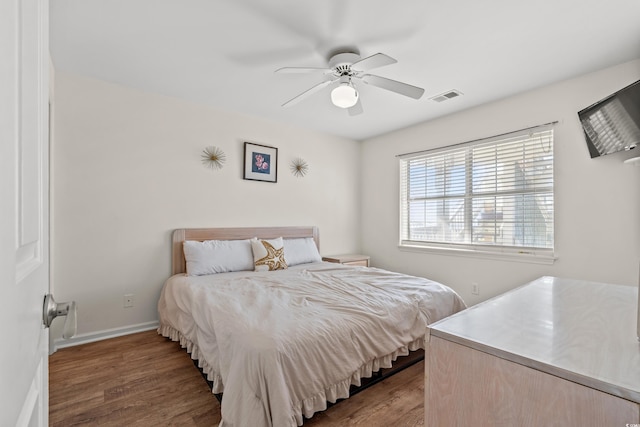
260, 162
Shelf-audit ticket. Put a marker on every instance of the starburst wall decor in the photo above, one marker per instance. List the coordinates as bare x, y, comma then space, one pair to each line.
213, 157
299, 167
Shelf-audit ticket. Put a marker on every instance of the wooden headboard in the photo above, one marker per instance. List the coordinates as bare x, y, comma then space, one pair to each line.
178, 263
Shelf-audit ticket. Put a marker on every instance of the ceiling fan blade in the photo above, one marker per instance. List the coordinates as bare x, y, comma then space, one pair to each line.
356, 109
373, 61
303, 70
394, 86
307, 93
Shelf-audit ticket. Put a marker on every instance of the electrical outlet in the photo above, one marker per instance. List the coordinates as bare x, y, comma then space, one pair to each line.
475, 289
128, 300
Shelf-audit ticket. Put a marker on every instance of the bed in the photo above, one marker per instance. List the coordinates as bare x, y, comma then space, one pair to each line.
281, 344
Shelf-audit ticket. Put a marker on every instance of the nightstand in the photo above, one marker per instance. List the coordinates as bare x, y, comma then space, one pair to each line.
349, 259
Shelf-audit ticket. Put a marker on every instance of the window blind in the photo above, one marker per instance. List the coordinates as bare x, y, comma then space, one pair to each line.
495, 193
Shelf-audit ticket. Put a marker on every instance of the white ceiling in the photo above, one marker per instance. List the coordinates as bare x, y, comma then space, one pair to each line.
223, 53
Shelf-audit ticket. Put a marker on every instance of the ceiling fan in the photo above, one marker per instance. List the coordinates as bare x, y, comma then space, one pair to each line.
346, 69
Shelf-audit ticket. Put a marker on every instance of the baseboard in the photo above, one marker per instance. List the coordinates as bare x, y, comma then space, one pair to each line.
59, 343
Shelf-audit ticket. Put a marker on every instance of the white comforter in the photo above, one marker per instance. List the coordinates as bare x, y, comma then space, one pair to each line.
281, 344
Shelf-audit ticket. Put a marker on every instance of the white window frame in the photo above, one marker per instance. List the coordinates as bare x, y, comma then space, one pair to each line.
470, 248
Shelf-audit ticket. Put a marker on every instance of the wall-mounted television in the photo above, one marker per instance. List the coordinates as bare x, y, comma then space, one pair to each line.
613, 123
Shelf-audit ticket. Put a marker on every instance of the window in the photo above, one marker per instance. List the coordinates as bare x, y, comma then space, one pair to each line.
493, 195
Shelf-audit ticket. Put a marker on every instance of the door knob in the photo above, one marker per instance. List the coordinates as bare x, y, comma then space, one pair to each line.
53, 309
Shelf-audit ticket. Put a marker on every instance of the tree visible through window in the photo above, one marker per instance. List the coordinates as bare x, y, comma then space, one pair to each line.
495, 193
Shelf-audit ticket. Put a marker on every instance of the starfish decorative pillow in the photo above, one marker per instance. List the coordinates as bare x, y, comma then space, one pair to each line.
268, 255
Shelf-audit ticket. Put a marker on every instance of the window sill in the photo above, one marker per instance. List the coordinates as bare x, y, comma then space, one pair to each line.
513, 256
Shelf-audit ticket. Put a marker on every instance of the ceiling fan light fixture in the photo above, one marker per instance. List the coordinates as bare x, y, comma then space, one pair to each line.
344, 96
345, 68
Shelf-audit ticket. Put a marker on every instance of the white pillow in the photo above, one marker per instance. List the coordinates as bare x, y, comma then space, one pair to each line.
217, 256
301, 251
268, 255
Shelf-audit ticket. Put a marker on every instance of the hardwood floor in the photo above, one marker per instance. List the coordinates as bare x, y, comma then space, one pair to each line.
146, 380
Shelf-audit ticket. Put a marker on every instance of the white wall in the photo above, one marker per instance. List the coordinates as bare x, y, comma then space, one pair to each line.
126, 170
597, 201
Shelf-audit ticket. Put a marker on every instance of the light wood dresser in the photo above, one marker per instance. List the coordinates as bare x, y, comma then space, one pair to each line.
554, 352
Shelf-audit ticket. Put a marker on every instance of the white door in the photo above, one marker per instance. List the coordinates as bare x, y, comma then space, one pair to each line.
24, 211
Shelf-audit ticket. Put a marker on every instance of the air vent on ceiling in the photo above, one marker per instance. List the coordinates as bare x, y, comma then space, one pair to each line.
453, 93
